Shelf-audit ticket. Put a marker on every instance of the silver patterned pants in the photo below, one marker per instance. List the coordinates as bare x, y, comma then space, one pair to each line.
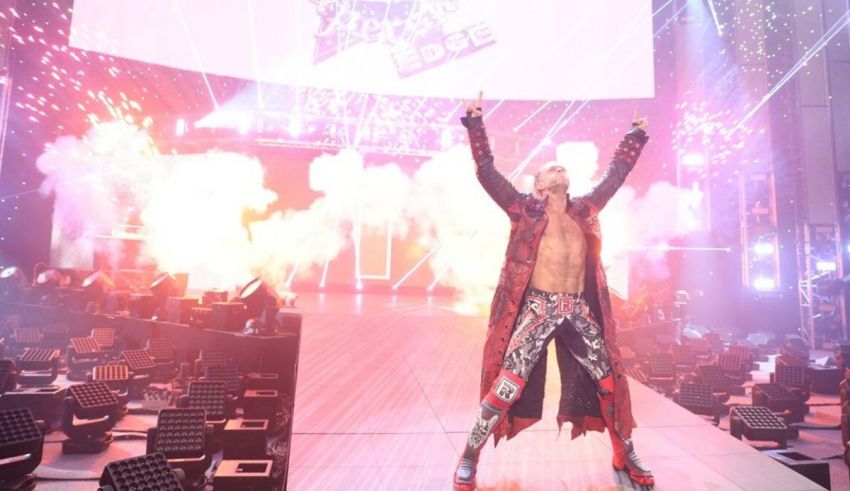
545, 315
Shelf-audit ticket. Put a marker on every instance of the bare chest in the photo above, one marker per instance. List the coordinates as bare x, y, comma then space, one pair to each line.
562, 232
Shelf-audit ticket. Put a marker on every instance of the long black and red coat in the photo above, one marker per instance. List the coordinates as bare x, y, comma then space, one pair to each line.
579, 403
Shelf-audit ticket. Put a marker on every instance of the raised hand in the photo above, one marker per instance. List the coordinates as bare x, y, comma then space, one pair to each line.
474, 108
640, 121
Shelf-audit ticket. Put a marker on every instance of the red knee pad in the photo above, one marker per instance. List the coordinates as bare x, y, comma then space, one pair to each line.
505, 391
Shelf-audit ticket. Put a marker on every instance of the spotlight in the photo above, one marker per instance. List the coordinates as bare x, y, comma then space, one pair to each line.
181, 435
162, 350
142, 370
698, 399
21, 442
763, 248
149, 471
105, 337
757, 423
12, 282
26, 337
227, 374
38, 366
180, 127
95, 286
82, 355
8, 376
827, 266
211, 397
141, 365
45, 403
764, 284
262, 305
116, 377
257, 296
47, 283
50, 279
90, 412
210, 358
164, 286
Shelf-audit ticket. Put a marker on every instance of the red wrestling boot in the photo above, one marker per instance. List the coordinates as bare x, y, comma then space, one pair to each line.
506, 389
625, 459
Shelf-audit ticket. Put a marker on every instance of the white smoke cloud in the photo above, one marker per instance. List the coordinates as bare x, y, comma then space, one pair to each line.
193, 219
192, 208
99, 180
452, 212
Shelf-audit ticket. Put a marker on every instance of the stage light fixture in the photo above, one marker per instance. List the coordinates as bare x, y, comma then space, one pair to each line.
181, 435
764, 248
162, 350
683, 357
90, 412
757, 423
105, 337
81, 356
778, 399
826, 266
45, 403
764, 284
228, 374
149, 471
95, 287
164, 286
12, 283
261, 301
661, 366
38, 366
792, 378
26, 337
50, 279
21, 443
180, 127
734, 366
142, 368
211, 397
211, 358
8, 376
698, 399
116, 377
714, 377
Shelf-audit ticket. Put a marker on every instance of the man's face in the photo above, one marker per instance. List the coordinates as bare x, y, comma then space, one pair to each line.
552, 177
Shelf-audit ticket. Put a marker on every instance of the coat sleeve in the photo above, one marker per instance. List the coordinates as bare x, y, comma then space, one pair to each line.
624, 160
499, 188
